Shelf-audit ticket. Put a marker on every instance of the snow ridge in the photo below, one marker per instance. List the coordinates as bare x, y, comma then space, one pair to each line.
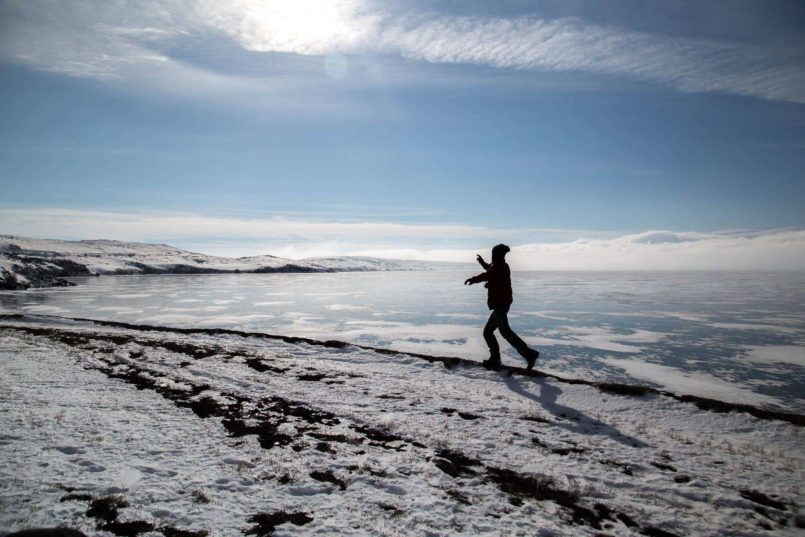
27, 262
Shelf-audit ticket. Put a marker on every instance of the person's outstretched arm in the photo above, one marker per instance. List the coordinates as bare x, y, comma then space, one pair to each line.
482, 277
482, 262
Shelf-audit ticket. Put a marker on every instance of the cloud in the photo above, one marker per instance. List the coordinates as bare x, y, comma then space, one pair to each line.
769, 250
169, 48
137, 226
666, 237
566, 44
773, 250
572, 45
532, 249
112, 41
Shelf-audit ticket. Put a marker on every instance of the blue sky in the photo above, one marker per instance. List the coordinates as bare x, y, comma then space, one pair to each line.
430, 128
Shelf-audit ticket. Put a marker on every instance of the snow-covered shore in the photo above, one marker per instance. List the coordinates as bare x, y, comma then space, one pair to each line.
123, 428
27, 262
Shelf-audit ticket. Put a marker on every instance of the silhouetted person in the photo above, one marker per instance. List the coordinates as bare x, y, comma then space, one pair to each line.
499, 285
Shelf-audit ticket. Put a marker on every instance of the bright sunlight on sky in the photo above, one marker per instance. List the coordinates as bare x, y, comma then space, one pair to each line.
627, 134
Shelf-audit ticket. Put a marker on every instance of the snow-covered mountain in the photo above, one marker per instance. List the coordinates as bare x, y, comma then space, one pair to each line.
27, 262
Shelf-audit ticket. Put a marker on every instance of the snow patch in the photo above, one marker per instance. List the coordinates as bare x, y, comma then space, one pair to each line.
700, 384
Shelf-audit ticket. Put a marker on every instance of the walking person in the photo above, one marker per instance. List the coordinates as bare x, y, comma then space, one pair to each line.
497, 276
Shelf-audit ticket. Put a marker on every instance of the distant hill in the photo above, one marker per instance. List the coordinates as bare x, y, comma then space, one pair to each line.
27, 262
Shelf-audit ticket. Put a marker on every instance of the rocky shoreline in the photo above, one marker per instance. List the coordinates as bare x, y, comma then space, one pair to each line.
38, 272
30, 263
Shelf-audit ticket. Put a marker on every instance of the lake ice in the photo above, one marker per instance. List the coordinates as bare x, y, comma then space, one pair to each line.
730, 336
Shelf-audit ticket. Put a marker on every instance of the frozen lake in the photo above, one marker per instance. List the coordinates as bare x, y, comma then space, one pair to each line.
730, 336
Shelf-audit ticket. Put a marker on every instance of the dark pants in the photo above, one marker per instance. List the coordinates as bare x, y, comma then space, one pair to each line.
499, 320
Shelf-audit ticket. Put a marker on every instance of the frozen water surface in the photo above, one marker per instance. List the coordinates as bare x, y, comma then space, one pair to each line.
730, 336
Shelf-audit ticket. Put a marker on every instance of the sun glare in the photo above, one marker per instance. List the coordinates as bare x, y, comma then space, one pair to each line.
304, 26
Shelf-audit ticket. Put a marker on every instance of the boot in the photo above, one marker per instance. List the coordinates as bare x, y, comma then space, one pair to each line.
532, 359
492, 363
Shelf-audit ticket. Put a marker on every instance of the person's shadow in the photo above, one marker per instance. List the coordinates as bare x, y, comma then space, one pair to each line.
571, 419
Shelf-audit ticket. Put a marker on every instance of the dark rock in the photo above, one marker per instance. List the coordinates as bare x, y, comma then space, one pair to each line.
538, 419
106, 508
42, 272
311, 377
266, 523
206, 407
395, 512
653, 531
324, 447
47, 532
379, 437
663, 466
9, 282
762, 499
77, 497
344, 439
130, 528
171, 531
455, 464
567, 450
539, 487
327, 476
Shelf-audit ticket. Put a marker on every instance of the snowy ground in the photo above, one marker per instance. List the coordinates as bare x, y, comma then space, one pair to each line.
132, 431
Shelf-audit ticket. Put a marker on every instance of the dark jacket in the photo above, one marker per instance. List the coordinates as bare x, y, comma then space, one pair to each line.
498, 280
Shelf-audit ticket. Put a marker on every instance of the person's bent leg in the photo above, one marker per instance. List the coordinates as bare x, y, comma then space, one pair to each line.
501, 316
491, 340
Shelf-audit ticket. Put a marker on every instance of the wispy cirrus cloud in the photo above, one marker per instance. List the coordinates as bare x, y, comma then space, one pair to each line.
566, 44
571, 45
532, 248
120, 41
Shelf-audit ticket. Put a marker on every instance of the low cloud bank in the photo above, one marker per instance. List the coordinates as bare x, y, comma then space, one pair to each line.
775, 250
652, 250
532, 249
